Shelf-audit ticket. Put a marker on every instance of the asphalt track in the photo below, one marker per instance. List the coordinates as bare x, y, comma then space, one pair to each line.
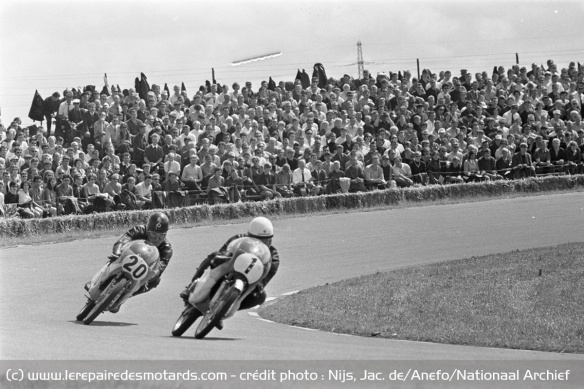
41, 286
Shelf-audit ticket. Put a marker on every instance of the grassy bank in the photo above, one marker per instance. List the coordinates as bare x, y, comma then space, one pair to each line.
531, 299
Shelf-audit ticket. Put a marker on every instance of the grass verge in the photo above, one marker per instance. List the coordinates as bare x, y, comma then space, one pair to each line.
532, 299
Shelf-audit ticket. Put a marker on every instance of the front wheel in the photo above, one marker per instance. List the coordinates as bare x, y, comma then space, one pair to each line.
217, 311
111, 292
85, 310
185, 320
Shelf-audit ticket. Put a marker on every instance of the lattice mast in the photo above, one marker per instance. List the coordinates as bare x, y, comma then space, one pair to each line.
359, 60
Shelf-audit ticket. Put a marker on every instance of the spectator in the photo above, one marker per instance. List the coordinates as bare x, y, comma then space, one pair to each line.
402, 173
521, 163
143, 192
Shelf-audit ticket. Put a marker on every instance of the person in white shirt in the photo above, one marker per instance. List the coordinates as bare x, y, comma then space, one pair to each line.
171, 165
301, 180
192, 174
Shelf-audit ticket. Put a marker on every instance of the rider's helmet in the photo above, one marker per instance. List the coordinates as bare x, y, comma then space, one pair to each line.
261, 228
157, 228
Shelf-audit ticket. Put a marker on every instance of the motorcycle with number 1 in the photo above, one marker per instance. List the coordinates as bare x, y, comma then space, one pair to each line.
218, 293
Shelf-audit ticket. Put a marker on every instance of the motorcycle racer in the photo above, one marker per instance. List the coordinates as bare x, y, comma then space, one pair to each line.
154, 232
259, 228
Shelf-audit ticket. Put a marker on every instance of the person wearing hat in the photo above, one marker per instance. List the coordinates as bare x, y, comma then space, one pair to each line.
75, 118
521, 163
63, 114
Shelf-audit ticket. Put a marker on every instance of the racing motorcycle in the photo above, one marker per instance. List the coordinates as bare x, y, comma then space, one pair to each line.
218, 293
120, 279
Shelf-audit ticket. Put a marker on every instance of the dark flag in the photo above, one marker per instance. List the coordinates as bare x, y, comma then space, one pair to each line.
167, 90
105, 91
183, 88
305, 79
144, 87
298, 76
36, 108
137, 85
271, 84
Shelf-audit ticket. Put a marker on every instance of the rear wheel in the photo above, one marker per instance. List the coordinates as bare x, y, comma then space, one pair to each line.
111, 293
185, 320
217, 310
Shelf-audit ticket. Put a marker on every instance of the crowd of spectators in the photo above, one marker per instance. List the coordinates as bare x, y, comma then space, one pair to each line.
229, 144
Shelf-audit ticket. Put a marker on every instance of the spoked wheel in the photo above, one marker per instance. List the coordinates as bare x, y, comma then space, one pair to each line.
185, 320
111, 292
86, 309
217, 310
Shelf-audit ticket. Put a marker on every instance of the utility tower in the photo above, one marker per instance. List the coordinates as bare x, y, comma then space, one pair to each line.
359, 60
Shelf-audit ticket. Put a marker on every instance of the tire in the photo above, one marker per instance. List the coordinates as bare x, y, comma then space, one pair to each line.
85, 310
217, 311
185, 320
111, 292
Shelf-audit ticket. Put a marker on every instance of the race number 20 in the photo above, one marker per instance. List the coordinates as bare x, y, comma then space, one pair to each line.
135, 266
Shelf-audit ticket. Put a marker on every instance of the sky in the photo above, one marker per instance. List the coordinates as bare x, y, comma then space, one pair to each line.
52, 45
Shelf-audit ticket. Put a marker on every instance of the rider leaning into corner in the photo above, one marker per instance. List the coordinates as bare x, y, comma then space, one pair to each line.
262, 229
154, 232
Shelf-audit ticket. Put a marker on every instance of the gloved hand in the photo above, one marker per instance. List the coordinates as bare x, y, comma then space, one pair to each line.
153, 283
113, 257
220, 257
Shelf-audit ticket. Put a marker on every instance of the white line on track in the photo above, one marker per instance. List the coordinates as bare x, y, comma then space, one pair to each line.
304, 328
289, 293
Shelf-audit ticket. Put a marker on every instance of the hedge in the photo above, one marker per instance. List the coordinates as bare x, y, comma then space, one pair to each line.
291, 206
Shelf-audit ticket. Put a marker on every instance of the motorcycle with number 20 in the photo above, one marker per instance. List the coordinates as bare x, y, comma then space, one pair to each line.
120, 279
218, 293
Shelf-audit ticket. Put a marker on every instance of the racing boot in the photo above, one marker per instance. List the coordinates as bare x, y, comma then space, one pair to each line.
219, 325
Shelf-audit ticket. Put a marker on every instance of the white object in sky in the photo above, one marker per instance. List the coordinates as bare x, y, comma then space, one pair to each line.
261, 58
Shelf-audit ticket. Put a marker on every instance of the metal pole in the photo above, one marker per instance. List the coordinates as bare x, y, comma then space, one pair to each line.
517, 58
418, 61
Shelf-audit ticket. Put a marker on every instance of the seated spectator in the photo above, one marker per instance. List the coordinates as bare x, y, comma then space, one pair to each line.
334, 183
488, 166
156, 184
192, 175
26, 202
402, 173
302, 180
216, 191
171, 184
143, 192
574, 159
419, 170
90, 190
373, 175
284, 181
521, 163
471, 170
50, 194
453, 172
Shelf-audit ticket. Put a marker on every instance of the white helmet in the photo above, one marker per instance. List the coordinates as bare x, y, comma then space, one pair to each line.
261, 228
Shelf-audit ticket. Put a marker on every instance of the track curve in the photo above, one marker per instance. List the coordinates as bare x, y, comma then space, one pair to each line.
41, 287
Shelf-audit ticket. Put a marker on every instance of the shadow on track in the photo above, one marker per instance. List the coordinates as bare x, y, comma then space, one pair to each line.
206, 338
105, 323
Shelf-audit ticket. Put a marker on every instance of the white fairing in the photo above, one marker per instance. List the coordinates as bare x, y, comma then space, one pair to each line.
249, 266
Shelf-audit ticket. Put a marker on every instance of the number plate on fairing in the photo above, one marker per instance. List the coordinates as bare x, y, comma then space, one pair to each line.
135, 266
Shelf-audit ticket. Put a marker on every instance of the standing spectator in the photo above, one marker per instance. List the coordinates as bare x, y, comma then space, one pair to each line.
50, 109
488, 166
139, 144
